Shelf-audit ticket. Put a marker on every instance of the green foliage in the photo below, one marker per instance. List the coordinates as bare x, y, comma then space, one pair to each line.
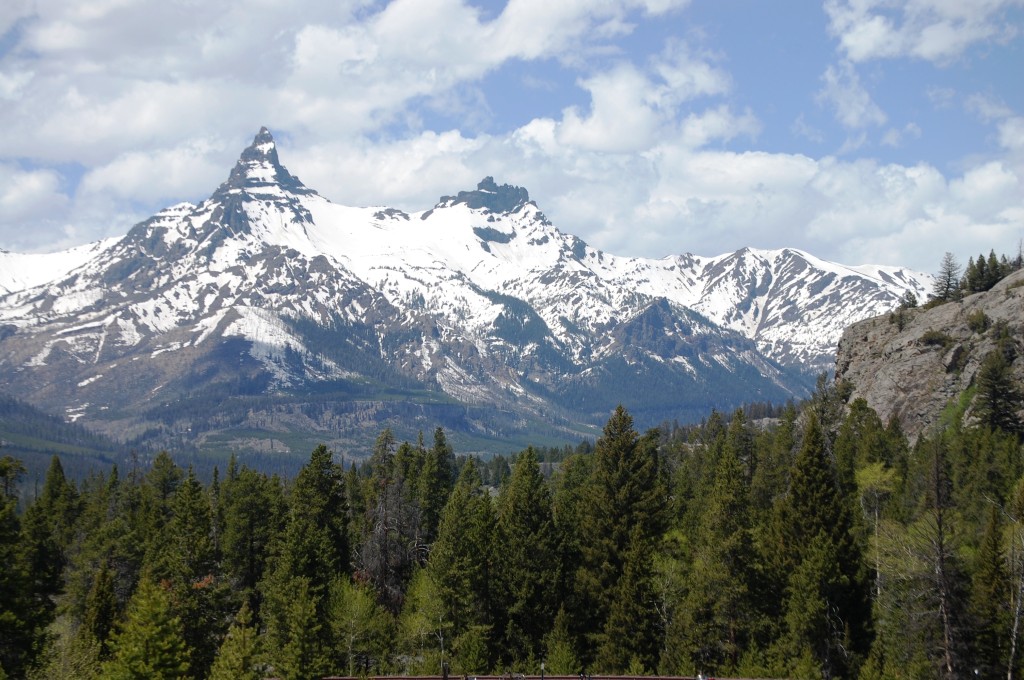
977, 321
461, 565
527, 572
149, 645
814, 545
934, 338
947, 280
626, 503
238, 656
998, 396
361, 628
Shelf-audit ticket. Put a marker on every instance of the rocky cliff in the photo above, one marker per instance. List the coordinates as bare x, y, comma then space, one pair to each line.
912, 363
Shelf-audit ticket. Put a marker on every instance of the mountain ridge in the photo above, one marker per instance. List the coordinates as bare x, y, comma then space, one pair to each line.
479, 299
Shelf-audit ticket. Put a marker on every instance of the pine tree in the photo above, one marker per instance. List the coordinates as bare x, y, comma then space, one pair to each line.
527, 560
630, 640
295, 631
149, 644
17, 639
560, 648
998, 398
817, 524
947, 281
989, 604
627, 493
101, 610
313, 552
460, 564
714, 622
238, 657
437, 477
199, 595
389, 548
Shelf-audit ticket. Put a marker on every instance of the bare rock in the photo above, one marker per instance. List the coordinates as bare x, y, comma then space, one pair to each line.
912, 363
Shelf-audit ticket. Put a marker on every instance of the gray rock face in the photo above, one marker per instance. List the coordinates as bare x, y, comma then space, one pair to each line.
912, 364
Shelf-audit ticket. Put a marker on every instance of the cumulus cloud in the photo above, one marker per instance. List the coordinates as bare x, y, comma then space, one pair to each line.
29, 194
933, 30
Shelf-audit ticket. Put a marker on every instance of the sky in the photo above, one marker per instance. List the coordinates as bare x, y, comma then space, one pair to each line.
861, 131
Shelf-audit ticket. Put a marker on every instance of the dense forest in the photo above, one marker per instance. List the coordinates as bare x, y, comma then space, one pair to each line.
812, 544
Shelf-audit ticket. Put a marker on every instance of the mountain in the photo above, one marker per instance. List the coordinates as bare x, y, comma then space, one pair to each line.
912, 364
269, 318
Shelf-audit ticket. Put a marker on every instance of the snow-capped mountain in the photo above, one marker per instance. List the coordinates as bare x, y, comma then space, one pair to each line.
267, 303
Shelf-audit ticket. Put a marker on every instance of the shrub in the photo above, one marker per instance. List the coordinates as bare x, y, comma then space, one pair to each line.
977, 321
934, 338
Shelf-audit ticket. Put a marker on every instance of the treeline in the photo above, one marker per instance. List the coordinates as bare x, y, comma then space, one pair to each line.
819, 544
978, 276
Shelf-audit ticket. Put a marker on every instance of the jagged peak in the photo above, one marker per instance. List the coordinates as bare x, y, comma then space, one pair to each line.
258, 167
488, 194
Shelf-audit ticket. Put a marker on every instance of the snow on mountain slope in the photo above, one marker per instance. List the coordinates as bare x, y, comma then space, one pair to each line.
19, 271
480, 297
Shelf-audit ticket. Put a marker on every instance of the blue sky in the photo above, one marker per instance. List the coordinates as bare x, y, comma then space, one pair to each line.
863, 131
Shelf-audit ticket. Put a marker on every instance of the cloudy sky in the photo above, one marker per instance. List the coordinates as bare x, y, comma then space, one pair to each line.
863, 131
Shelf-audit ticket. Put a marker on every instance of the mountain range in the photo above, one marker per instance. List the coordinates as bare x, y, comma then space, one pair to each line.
267, 318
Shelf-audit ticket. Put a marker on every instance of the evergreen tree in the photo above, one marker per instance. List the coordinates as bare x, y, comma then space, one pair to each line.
149, 644
560, 648
947, 281
101, 610
238, 657
252, 522
817, 525
313, 551
460, 564
389, 549
295, 635
316, 540
715, 620
527, 560
626, 494
989, 604
198, 594
999, 398
631, 640
17, 636
437, 477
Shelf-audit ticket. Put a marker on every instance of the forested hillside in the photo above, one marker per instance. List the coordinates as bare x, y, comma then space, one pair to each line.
814, 544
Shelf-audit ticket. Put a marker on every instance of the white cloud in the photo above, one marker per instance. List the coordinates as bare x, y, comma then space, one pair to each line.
28, 195
622, 117
160, 175
933, 30
850, 102
801, 128
1011, 134
11, 11
987, 107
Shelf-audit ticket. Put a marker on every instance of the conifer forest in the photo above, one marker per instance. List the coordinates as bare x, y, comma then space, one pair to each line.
809, 541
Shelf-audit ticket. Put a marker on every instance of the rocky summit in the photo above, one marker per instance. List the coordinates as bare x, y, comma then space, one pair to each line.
269, 318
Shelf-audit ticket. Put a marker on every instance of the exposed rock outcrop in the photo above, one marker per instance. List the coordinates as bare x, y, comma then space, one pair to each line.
911, 363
